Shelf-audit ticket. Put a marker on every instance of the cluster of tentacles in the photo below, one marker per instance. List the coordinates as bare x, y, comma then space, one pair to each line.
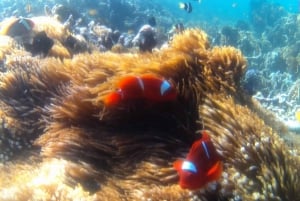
53, 117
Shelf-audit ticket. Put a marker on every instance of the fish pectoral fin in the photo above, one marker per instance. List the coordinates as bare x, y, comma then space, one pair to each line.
177, 164
215, 171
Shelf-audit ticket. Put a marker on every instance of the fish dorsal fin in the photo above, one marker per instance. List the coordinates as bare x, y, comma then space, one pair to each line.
202, 143
141, 83
195, 147
189, 166
165, 85
205, 149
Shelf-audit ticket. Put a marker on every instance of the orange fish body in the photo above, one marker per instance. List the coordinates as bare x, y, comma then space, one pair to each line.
201, 166
131, 87
146, 87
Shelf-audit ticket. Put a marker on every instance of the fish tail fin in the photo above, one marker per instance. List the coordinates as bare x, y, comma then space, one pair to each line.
215, 171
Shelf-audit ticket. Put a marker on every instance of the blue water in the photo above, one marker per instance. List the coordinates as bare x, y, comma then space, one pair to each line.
269, 41
208, 11
226, 11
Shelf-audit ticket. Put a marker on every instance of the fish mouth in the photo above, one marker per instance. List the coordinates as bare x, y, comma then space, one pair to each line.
186, 186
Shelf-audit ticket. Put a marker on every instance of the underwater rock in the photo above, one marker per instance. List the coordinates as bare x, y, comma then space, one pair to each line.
291, 57
41, 44
65, 14
250, 46
125, 40
76, 44
231, 34
252, 81
242, 25
283, 32
264, 14
145, 38
274, 61
105, 37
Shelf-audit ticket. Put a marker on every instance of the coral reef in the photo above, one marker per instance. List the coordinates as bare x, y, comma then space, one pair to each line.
78, 148
263, 13
252, 81
273, 63
259, 164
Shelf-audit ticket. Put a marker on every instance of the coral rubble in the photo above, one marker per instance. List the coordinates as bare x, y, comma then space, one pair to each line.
126, 153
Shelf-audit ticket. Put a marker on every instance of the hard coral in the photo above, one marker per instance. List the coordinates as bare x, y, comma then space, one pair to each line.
126, 153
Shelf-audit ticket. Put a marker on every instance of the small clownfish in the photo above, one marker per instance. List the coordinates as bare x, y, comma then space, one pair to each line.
18, 27
146, 87
201, 166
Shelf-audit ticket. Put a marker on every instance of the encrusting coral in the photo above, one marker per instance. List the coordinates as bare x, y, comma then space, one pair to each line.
96, 152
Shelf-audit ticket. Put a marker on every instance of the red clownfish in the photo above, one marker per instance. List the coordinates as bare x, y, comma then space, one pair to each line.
146, 87
201, 166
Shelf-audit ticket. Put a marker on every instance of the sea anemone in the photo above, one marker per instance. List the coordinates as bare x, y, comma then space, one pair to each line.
126, 153
259, 164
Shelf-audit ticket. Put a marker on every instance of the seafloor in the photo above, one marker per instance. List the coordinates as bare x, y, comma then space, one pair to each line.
60, 141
